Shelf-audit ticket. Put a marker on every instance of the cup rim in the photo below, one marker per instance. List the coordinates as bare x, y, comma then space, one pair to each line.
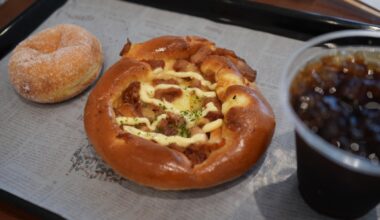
346, 159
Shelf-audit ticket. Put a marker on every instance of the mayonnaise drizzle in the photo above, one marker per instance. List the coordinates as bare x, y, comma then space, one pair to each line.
140, 120
147, 92
198, 92
212, 125
166, 140
193, 75
210, 107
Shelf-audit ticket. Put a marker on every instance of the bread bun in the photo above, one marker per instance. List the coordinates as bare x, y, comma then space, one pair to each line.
179, 113
55, 64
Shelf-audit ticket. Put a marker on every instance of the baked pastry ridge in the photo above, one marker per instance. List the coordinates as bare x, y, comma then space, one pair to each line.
179, 113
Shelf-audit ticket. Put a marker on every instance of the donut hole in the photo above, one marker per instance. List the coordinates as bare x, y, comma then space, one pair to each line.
46, 42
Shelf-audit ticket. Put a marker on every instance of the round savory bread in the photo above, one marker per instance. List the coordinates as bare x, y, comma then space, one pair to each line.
55, 64
178, 113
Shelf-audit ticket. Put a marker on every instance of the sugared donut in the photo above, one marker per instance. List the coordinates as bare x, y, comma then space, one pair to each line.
179, 113
55, 64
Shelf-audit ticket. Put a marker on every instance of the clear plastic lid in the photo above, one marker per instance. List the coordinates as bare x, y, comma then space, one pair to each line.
357, 40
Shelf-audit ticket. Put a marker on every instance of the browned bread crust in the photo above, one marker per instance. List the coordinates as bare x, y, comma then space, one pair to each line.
55, 64
247, 129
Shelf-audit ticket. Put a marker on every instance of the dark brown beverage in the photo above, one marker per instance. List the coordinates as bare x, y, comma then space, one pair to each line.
338, 97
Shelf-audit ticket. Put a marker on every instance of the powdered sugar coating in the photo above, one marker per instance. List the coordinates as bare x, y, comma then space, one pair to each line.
55, 64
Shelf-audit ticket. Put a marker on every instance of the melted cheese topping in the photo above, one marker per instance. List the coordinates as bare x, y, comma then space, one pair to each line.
188, 106
191, 97
147, 93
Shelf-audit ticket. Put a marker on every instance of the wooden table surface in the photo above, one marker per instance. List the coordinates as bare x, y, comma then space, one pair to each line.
339, 8
346, 9
10, 9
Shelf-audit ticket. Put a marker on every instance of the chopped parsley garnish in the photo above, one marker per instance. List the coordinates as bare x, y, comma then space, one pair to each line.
162, 106
197, 114
192, 115
195, 101
183, 131
184, 113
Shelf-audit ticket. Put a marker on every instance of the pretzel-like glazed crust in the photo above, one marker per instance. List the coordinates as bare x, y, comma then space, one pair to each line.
248, 120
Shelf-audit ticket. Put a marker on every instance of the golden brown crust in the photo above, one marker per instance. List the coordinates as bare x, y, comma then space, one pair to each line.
55, 64
247, 129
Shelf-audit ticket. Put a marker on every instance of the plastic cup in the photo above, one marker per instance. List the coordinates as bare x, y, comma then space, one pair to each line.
331, 181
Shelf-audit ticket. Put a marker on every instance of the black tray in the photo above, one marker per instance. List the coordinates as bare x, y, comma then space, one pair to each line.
10, 35
25, 23
247, 13
29, 208
280, 21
